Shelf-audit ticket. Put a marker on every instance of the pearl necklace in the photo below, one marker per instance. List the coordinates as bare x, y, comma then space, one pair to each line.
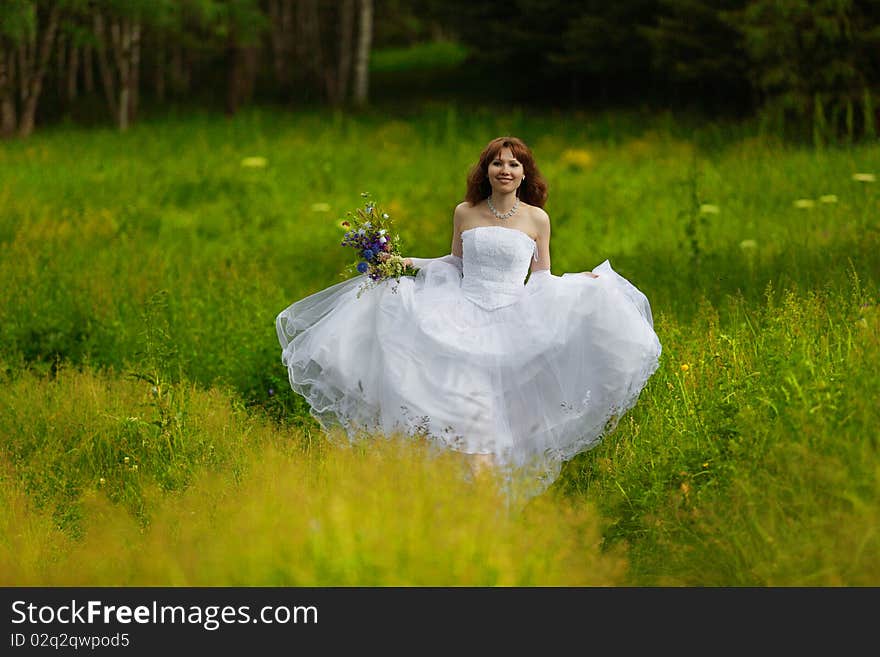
506, 214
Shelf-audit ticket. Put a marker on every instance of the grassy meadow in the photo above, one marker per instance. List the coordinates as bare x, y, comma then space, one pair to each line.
148, 435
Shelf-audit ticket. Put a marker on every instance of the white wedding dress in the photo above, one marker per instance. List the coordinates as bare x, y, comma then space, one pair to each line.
469, 356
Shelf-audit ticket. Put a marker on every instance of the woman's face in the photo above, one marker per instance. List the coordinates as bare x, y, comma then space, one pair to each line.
505, 172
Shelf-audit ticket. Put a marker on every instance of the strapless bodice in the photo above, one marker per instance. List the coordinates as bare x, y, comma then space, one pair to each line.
495, 261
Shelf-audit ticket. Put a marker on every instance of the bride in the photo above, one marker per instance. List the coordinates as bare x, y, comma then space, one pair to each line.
485, 351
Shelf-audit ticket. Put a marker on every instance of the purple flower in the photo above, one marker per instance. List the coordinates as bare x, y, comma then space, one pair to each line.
271, 392
363, 267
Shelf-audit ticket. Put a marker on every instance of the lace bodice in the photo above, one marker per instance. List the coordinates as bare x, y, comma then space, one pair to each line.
495, 261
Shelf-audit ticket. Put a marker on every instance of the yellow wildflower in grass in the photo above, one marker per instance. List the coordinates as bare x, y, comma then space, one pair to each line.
864, 177
577, 158
685, 367
746, 245
320, 207
102, 481
254, 162
708, 208
828, 198
804, 203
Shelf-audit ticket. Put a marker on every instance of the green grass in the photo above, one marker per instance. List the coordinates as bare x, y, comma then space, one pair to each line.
428, 56
142, 274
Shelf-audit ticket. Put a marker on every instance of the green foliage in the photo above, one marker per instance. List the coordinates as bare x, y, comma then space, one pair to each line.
17, 20
430, 57
694, 48
812, 62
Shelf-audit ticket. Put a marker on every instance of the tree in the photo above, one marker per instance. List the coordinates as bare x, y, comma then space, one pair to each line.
699, 52
814, 63
363, 52
27, 36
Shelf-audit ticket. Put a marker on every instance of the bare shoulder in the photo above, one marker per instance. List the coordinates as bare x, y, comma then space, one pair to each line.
462, 211
540, 219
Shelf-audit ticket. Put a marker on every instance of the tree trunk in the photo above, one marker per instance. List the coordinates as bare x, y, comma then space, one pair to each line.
61, 70
25, 66
120, 36
7, 97
88, 70
234, 74
308, 45
134, 64
179, 72
35, 84
362, 61
72, 73
109, 82
159, 71
281, 16
346, 35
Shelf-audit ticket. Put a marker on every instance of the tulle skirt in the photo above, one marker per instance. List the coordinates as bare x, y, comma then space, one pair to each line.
532, 383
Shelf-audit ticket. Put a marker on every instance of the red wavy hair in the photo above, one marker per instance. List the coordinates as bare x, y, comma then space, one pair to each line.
533, 190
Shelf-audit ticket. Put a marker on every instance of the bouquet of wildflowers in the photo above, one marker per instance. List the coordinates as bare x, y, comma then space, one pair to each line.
369, 231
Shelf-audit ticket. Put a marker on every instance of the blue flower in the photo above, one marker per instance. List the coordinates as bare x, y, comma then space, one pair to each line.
368, 254
363, 267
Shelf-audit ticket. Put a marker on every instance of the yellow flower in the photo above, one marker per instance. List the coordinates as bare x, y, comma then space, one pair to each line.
708, 208
828, 198
102, 481
706, 464
685, 367
864, 177
577, 158
254, 162
125, 460
804, 203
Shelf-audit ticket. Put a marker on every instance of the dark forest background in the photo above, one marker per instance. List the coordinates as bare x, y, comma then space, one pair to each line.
805, 69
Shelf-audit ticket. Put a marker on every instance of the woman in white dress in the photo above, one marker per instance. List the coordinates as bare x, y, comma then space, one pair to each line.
485, 351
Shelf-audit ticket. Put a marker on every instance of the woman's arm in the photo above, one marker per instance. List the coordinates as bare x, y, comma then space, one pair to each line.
542, 224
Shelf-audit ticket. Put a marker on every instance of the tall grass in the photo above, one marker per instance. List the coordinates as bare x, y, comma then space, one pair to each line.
142, 274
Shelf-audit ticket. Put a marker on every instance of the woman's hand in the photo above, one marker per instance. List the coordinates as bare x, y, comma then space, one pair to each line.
408, 262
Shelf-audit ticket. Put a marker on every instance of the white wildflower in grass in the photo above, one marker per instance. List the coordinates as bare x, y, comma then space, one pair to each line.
864, 177
320, 207
828, 198
804, 203
708, 208
747, 245
254, 162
